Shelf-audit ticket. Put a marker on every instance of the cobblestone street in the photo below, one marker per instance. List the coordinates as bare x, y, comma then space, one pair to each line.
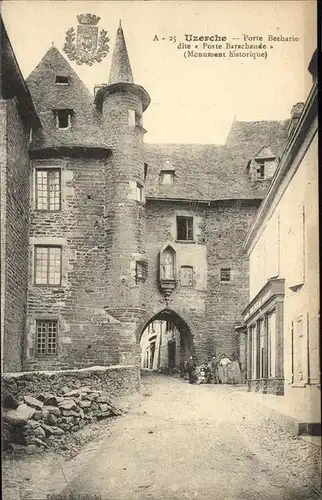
182, 441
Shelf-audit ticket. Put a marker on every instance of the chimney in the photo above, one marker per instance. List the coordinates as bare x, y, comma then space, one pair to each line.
295, 116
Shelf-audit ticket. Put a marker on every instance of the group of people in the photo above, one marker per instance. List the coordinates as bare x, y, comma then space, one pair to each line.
189, 371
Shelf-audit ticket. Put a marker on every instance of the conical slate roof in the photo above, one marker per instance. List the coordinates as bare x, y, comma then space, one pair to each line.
48, 96
121, 71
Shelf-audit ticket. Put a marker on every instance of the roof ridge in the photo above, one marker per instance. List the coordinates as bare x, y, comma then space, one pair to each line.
261, 121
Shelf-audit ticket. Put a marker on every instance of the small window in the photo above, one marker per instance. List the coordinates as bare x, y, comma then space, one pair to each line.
63, 119
145, 170
140, 271
46, 338
48, 265
186, 276
134, 118
139, 192
225, 274
131, 117
62, 80
48, 191
138, 119
167, 177
185, 228
260, 169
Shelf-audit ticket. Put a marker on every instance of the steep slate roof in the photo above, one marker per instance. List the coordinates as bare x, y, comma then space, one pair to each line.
208, 172
47, 96
202, 172
12, 82
265, 152
251, 137
193, 165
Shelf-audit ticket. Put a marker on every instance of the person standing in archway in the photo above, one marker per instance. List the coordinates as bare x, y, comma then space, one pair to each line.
191, 367
214, 369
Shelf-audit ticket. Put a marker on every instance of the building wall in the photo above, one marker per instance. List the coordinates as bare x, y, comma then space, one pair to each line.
156, 333
125, 218
3, 188
85, 329
210, 308
226, 229
103, 230
15, 237
289, 248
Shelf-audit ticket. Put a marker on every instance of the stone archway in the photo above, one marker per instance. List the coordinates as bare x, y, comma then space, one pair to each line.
166, 342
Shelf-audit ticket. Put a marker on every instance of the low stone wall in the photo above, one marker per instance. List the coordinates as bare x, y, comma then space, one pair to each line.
118, 380
40, 408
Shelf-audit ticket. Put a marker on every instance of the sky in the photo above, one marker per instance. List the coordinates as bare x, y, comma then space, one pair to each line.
193, 100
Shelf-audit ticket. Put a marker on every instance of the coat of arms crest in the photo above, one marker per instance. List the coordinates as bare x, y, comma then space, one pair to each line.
90, 45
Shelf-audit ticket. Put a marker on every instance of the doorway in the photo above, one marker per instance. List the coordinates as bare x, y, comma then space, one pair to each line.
166, 341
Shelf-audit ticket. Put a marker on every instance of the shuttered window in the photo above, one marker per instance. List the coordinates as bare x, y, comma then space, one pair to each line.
187, 276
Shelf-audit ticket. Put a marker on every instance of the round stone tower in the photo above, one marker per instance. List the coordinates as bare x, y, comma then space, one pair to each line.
121, 104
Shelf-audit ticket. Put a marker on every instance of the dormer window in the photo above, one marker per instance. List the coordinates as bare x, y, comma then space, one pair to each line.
260, 169
63, 119
62, 80
167, 177
263, 165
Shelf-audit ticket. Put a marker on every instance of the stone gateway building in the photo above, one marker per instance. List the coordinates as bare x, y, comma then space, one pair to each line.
103, 234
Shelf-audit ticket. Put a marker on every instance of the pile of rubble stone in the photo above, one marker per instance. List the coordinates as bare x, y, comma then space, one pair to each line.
35, 424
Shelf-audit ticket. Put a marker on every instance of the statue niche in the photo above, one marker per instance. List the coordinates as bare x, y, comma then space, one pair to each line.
168, 269
168, 262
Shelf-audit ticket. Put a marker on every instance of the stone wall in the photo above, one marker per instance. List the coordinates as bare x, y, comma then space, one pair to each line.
211, 308
115, 380
15, 236
41, 408
101, 230
226, 228
86, 333
125, 217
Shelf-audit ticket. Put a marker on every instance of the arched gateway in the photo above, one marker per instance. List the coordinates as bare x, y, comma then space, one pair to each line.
165, 341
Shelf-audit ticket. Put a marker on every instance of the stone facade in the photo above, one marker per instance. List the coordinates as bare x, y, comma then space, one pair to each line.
17, 118
211, 308
119, 206
17, 215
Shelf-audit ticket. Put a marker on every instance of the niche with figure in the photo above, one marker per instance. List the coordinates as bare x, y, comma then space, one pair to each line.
168, 263
168, 268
